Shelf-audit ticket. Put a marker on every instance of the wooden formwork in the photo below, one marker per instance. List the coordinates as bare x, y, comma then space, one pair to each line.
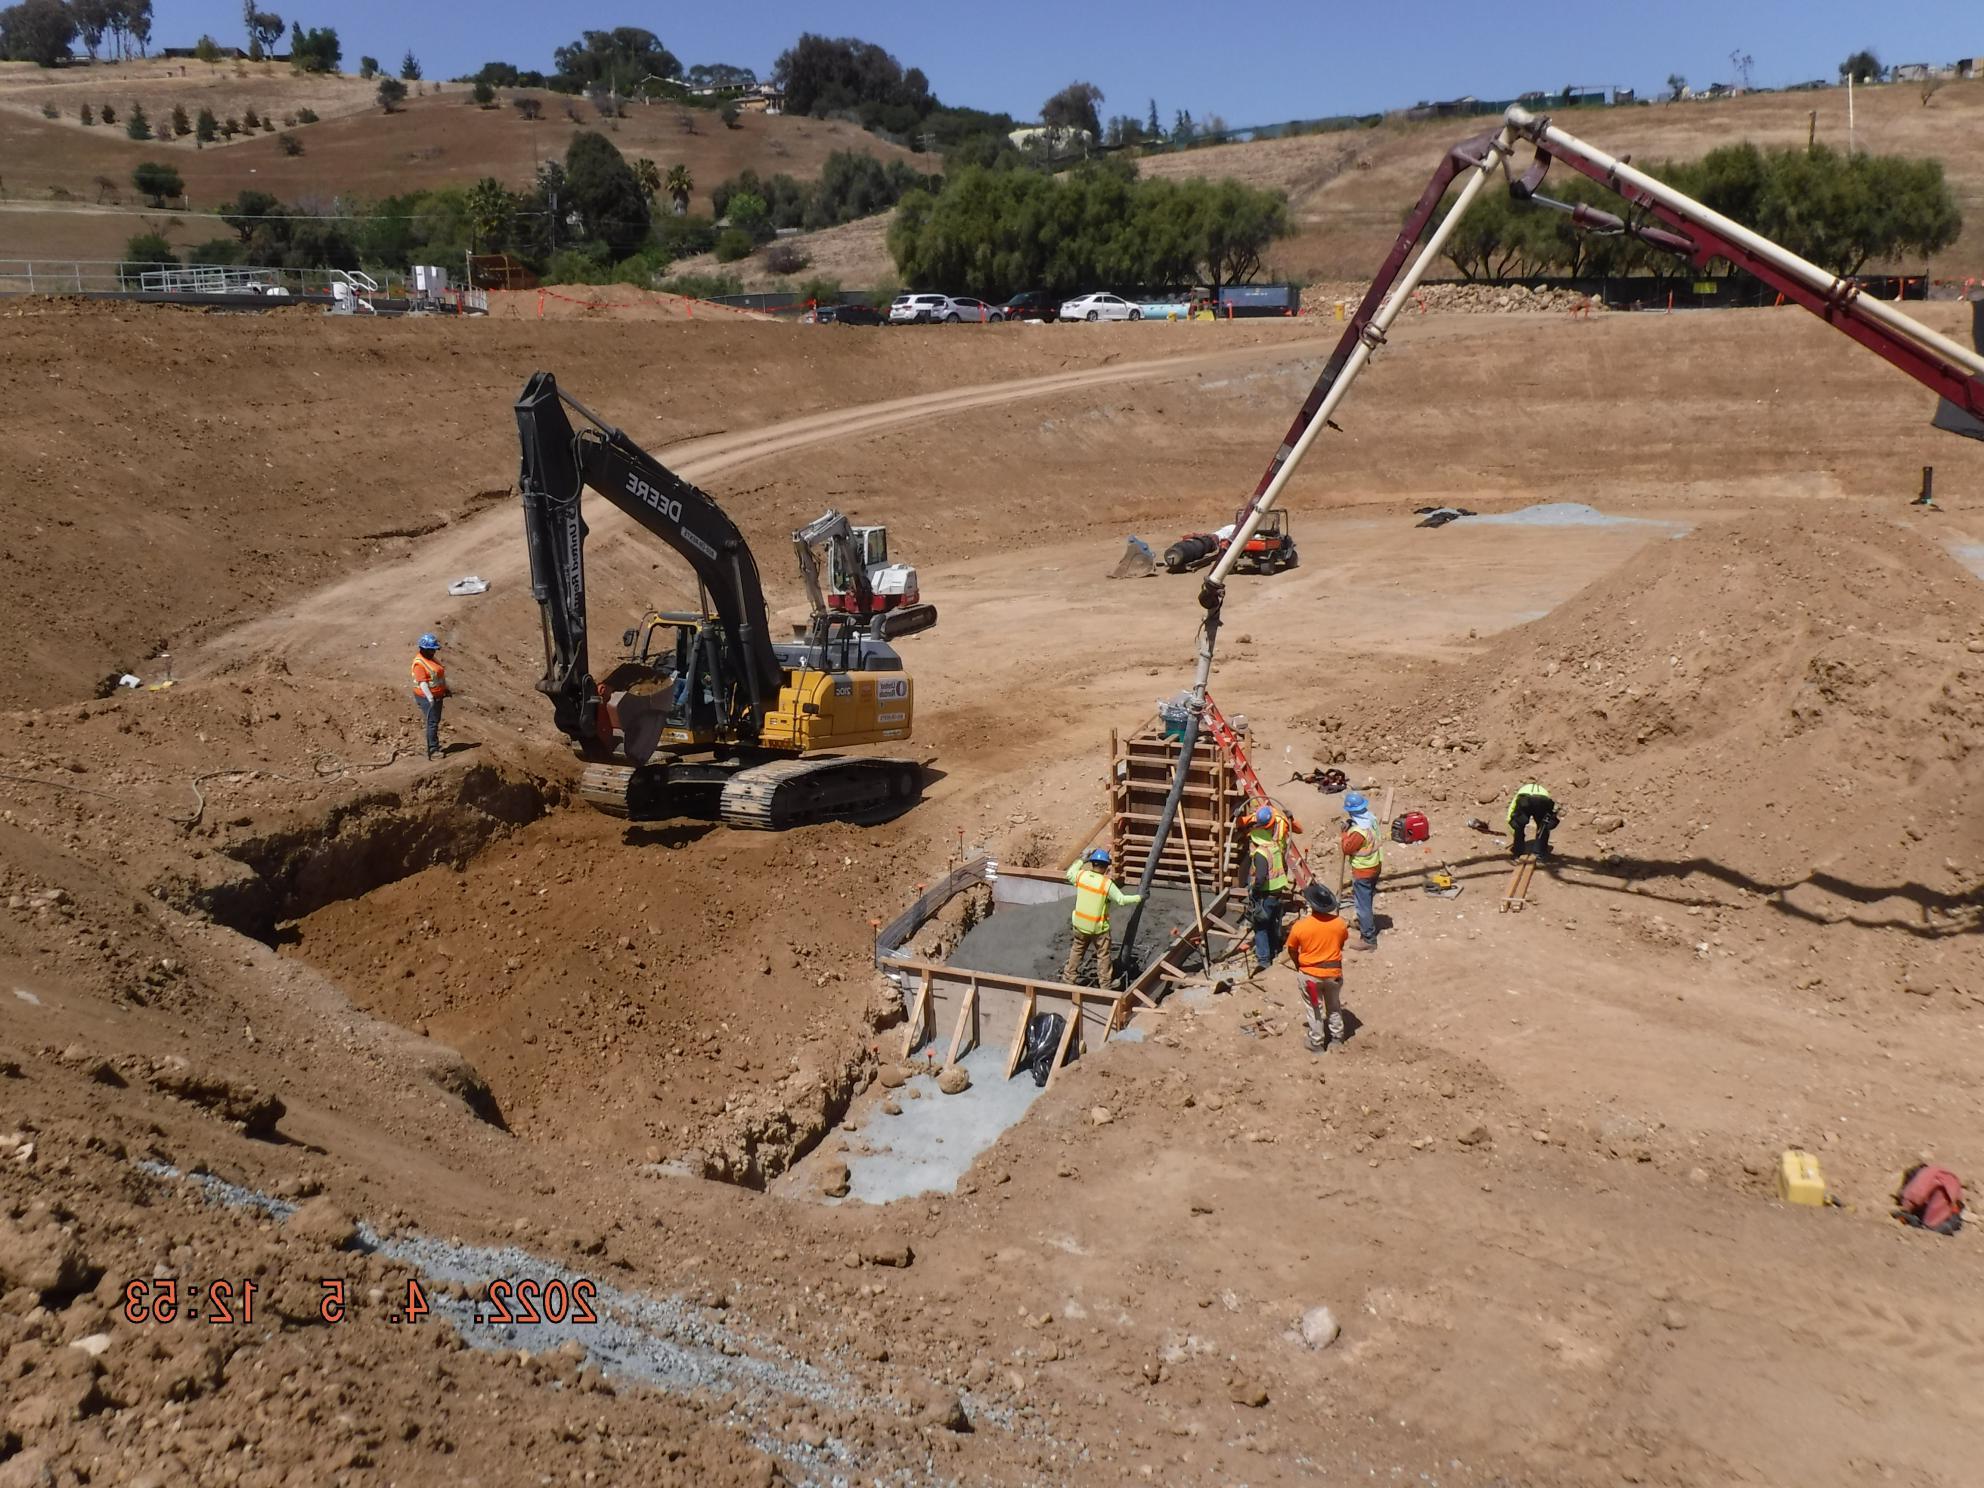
1204, 844
952, 1009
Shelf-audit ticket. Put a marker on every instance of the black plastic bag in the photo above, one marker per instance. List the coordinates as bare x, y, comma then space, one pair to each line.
1043, 1037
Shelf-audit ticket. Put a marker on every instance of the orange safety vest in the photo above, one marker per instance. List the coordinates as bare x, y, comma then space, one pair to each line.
1091, 916
430, 672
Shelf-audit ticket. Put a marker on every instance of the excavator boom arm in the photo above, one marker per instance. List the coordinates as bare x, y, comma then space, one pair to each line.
558, 462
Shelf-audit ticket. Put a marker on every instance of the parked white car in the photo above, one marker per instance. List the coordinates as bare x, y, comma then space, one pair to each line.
1100, 306
910, 309
924, 309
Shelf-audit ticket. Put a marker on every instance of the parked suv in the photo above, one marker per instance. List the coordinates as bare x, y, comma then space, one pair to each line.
865, 315
918, 309
1033, 304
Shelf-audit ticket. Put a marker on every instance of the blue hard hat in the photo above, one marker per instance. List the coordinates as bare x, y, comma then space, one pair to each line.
1354, 803
1264, 815
429, 642
1100, 855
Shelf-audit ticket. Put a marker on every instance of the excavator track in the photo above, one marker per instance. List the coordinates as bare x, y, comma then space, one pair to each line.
604, 788
792, 793
777, 795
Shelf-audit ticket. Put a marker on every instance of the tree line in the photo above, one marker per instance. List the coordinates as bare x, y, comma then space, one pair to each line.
997, 232
1841, 211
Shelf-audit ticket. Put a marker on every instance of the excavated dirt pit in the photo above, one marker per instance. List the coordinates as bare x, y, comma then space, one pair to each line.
657, 993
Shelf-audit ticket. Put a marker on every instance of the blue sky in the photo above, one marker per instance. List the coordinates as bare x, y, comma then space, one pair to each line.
1277, 59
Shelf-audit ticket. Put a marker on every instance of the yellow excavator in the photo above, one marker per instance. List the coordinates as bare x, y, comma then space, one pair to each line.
706, 714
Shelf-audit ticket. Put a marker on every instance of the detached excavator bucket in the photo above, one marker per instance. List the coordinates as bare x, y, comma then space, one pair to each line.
1137, 562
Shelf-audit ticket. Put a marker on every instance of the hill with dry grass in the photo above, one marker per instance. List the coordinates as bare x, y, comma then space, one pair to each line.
53, 204
1347, 191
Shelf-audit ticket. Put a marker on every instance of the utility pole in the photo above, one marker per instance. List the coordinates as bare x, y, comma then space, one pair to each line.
1849, 111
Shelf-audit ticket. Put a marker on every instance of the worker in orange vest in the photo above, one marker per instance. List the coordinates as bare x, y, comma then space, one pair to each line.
1315, 949
1095, 891
430, 688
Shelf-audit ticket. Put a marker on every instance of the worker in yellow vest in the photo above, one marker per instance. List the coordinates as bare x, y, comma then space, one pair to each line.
1359, 845
430, 687
1095, 891
1531, 806
1268, 880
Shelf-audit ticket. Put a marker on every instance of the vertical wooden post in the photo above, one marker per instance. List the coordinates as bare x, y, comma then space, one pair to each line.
1019, 1036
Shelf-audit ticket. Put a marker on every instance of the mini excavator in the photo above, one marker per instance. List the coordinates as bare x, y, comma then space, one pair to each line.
706, 714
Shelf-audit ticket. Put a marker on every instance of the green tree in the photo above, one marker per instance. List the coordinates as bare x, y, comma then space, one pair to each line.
206, 126
315, 50
368, 68
823, 75
214, 251
289, 143
732, 244
1074, 108
616, 60
149, 248
749, 212
1862, 67
1152, 129
250, 211
264, 28
720, 75
157, 181
730, 115
92, 20
483, 94
181, 124
601, 188
679, 185
410, 68
250, 119
392, 93
527, 108
206, 49
647, 175
37, 31
136, 125
107, 114
491, 209
1677, 87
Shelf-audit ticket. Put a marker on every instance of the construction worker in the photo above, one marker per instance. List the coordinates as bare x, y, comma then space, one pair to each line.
1531, 805
430, 688
1095, 891
1315, 950
1360, 848
1268, 880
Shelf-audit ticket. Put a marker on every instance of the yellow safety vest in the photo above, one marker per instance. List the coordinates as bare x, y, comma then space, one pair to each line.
1531, 789
1269, 842
1371, 856
1091, 916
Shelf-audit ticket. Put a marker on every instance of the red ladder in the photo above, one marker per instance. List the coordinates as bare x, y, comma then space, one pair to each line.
1227, 740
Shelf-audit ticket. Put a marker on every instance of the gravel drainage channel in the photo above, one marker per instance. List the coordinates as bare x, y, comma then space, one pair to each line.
665, 1343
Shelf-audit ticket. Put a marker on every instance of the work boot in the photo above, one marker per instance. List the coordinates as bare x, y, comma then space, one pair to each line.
1338, 1033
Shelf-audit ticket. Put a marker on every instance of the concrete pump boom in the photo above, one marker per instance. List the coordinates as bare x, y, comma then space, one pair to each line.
1698, 233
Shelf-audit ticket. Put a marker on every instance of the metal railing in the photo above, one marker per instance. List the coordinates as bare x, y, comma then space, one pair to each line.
123, 276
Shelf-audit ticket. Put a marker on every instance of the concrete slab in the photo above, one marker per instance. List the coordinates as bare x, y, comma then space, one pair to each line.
937, 1138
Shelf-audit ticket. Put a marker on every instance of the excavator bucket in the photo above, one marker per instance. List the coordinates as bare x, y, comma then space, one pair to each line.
1137, 562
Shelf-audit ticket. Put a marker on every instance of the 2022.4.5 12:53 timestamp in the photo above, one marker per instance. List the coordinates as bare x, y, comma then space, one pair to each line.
168, 1299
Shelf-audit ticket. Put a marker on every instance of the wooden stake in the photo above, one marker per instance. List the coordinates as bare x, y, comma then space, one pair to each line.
1192, 876
1018, 1049
1070, 1037
967, 1014
920, 1024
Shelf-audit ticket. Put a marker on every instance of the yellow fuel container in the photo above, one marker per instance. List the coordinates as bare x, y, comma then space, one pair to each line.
1799, 1180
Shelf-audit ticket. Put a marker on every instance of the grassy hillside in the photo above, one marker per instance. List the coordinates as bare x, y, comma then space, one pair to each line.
1348, 191
355, 150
